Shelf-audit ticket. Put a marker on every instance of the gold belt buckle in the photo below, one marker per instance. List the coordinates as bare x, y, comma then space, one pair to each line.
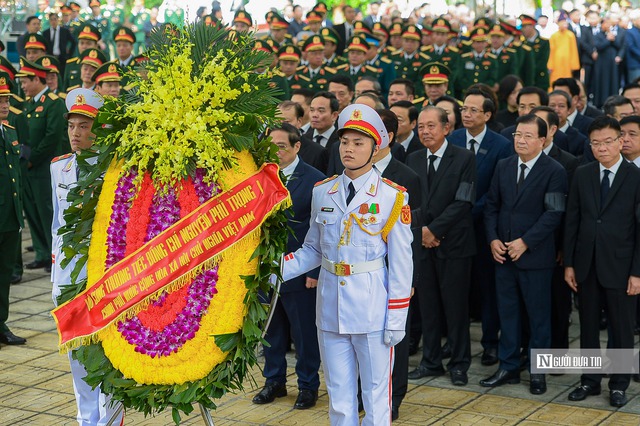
342, 269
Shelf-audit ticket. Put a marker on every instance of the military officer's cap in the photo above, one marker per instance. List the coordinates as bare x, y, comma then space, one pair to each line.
426, 30
268, 16
497, 30
358, 43
94, 3
51, 63
479, 34
380, 29
65, 10
36, 41
75, 6
109, 71
313, 43
274, 44
314, 16
441, 25
360, 27
6, 84
483, 22
89, 32
124, 34
527, 20
366, 120
396, 29
84, 102
29, 69
211, 20
435, 73
243, 17
289, 53
93, 57
411, 32
278, 22
7, 67
320, 7
262, 46
509, 28
329, 34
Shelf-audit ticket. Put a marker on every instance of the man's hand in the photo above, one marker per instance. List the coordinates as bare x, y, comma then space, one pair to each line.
516, 248
428, 239
311, 283
570, 278
618, 59
498, 251
594, 56
634, 286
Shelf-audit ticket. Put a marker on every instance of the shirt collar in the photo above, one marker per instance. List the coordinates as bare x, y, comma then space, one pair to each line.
288, 171
405, 143
613, 169
381, 165
531, 162
358, 182
565, 127
572, 116
478, 138
325, 134
547, 150
41, 94
440, 152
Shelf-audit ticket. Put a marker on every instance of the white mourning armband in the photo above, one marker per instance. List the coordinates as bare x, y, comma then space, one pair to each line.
555, 201
466, 192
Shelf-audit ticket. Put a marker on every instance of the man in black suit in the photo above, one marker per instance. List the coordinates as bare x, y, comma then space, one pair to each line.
323, 113
524, 207
528, 98
447, 177
345, 30
587, 48
560, 101
62, 45
407, 115
578, 121
560, 293
602, 250
583, 106
294, 313
310, 152
33, 26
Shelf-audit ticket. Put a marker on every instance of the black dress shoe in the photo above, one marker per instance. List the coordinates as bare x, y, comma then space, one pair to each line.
306, 399
29, 248
489, 356
8, 338
37, 264
422, 371
458, 377
501, 377
270, 392
15, 279
446, 351
583, 391
617, 398
395, 414
537, 384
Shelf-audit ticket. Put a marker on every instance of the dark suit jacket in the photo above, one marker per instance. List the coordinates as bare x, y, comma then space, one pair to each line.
575, 142
300, 185
566, 160
313, 154
582, 123
414, 145
592, 112
448, 200
585, 45
533, 213
333, 138
67, 44
606, 237
494, 147
342, 33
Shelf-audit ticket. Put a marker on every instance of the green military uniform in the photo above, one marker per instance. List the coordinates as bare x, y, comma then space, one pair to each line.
506, 57
137, 25
320, 81
408, 66
277, 78
336, 61
331, 36
448, 56
385, 71
115, 16
174, 16
72, 69
478, 70
357, 43
540, 53
46, 123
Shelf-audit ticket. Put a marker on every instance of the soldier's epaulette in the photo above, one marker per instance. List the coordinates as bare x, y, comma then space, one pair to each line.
342, 67
301, 67
277, 72
453, 49
526, 47
372, 68
467, 55
304, 77
288, 36
425, 56
52, 96
127, 87
15, 110
428, 48
329, 179
62, 157
330, 70
418, 101
466, 42
69, 61
491, 55
394, 185
8, 125
62, 95
17, 98
510, 49
385, 60
397, 53
73, 87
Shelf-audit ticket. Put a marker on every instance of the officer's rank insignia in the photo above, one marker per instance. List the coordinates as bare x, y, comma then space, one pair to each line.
356, 115
405, 214
42, 98
364, 208
334, 188
14, 143
434, 70
372, 190
40, 108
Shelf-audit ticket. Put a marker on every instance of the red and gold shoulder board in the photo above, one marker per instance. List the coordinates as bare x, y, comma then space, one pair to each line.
329, 179
62, 157
394, 185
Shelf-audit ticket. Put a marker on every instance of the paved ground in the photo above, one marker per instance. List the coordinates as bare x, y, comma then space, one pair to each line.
35, 386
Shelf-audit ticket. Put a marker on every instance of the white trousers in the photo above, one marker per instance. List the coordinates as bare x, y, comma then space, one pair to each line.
343, 356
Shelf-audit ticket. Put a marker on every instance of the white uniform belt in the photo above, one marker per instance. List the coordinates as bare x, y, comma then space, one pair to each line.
342, 269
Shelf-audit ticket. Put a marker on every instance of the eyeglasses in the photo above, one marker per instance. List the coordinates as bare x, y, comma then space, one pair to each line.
471, 110
606, 143
526, 136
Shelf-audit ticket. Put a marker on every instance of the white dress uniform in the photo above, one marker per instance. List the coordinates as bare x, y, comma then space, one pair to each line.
360, 295
93, 406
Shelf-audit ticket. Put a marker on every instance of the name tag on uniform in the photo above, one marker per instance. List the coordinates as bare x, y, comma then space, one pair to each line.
326, 209
469, 65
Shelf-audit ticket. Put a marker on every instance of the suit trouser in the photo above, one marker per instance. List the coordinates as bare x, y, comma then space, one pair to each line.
621, 318
343, 356
38, 209
294, 313
8, 246
484, 275
400, 371
560, 309
514, 286
443, 287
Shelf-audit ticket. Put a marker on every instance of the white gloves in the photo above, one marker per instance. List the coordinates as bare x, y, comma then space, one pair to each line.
393, 337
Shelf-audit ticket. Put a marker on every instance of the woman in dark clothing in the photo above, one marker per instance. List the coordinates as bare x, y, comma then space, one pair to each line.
507, 97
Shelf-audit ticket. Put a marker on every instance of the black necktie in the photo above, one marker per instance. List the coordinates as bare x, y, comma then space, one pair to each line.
319, 139
431, 173
352, 193
472, 145
605, 185
523, 167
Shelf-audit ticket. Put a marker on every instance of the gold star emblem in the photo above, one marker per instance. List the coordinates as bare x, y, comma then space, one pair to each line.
356, 115
80, 100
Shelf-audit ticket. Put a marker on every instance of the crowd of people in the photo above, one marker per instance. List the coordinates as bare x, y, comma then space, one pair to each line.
515, 158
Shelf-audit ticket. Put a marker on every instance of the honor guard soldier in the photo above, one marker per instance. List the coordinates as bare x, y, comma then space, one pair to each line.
317, 74
11, 219
100, 22
54, 81
441, 52
278, 79
360, 234
524, 54
92, 59
65, 12
381, 32
108, 79
506, 56
395, 37
425, 34
409, 59
479, 66
360, 28
331, 42
541, 50
124, 40
288, 61
83, 104
35, 47
435, 77
88, 37
314, 22
385, 70
45, 120
278, 30
75, 21
242, 21
357, 68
